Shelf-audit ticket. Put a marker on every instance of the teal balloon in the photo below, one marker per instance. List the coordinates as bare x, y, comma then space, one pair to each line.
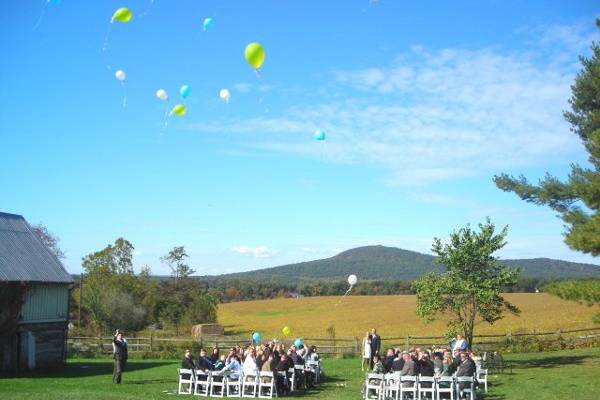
320, 135
298, 342
185, 91
54, 1
208, 22
256, 337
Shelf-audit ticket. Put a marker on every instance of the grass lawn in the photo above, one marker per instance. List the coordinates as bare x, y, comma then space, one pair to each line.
564, 374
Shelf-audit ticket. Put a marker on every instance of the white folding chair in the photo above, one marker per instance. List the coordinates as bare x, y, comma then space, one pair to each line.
233, 386
315, 367
266, 385
392, 385
291, 375
443, 385
217, 384
374, 384
482, 378
186, 379
300, 376
426, 387
408, 387
249, 385
468, 387
202, 385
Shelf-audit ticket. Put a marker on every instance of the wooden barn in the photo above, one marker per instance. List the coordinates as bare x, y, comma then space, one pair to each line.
34, 299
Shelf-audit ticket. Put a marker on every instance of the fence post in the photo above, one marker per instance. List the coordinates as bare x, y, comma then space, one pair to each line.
151, 340
407, 342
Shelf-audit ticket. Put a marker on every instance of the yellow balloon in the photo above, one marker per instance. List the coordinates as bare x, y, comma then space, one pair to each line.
255, 55
179, 109
123, 14
286, 331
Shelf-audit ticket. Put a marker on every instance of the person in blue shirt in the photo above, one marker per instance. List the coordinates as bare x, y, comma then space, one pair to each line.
233, 367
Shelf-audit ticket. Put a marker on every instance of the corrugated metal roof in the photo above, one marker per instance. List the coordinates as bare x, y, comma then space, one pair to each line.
23, 256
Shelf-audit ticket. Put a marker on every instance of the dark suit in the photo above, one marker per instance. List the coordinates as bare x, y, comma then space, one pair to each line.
375, 344
187, 363
397, 364
120, 357
205, 364
426, 367
466, 368
388, 363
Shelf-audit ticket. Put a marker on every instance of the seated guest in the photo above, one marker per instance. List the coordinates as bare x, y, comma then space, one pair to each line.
296, 359
313, 356
408, 369
378, 365
203, 362
283, 385
214, 357
466, 368
233, 367
437, 364
398, 363
220, 364
425, 365
389, 360
187, 362
249, 366
447, 365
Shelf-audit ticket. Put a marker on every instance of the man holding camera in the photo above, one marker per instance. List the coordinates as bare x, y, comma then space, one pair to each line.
119, 355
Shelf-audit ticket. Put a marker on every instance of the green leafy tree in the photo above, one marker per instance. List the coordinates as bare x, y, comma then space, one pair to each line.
109, 286
202, 309
586, 291
577, 201
469, 291
175, 259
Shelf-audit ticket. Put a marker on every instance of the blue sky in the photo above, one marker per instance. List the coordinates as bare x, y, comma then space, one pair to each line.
422, 103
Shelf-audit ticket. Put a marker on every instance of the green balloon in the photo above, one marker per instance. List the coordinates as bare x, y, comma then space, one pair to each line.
179, 109
123, 14
255, 55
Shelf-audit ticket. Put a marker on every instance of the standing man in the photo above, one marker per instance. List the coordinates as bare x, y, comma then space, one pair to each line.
375, 342
120, 355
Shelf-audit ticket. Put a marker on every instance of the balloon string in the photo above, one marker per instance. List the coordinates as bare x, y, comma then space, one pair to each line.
165, 122
345, 294
124, 94
39, 21
257, 73
105, 45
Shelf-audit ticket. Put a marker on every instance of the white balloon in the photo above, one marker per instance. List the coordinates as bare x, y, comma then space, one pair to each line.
352, 279
224, 95
120, 75
162, 94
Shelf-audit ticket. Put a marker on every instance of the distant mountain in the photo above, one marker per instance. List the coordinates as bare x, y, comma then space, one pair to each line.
383, 263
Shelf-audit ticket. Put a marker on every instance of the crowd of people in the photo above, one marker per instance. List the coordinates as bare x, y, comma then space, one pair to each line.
254, 358
455, 360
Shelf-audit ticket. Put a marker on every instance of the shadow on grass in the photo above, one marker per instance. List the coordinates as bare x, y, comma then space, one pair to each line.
325, 384
550, 362
86, 368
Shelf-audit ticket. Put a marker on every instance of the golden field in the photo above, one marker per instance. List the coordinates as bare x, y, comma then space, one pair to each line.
392, 315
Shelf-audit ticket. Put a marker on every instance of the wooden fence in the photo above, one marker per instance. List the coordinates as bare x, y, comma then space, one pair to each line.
326, 346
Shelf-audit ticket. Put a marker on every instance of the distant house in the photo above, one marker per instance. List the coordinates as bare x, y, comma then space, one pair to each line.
34, 299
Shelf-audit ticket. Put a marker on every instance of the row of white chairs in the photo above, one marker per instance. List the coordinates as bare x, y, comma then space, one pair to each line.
261, 384
219, 384
394, 386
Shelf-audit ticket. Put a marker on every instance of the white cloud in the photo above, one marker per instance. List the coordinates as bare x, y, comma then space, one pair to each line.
257, 251
438, 115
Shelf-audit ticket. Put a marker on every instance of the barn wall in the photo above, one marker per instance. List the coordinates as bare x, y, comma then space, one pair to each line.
49, 344
46, 302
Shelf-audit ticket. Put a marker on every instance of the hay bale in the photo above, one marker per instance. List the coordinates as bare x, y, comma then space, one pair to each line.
207, 330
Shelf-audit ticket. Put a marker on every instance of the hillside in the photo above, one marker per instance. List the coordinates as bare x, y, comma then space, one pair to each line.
381, 262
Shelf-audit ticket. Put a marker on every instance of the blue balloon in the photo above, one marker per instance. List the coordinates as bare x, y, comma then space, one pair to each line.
256, 337
208, 22
298, 342
185, 91
319, 135
54, 1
